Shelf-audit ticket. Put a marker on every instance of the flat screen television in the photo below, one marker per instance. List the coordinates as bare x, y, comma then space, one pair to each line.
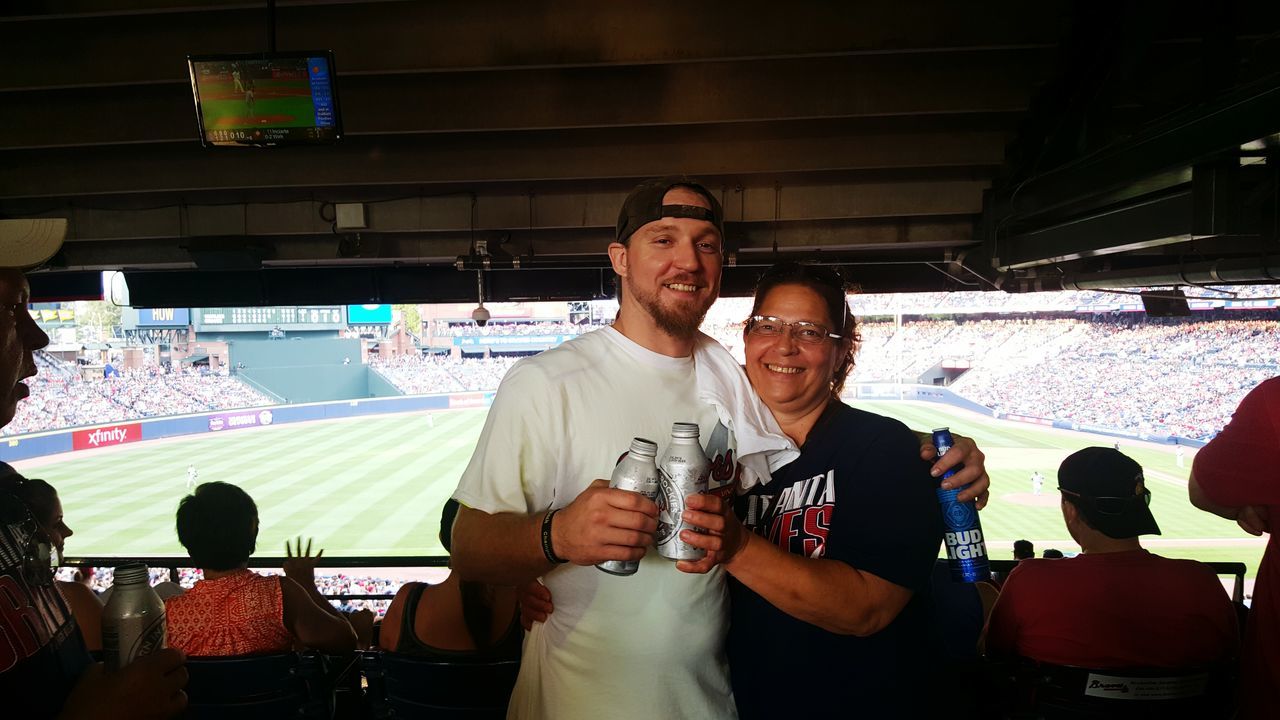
262, 99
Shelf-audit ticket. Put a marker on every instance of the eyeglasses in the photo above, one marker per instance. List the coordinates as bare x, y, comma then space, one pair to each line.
801, 331
1111, 505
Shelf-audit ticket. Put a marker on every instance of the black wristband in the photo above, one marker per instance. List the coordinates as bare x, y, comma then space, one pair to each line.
547, 548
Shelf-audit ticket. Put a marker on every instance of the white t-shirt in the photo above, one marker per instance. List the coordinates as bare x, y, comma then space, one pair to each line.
643, 646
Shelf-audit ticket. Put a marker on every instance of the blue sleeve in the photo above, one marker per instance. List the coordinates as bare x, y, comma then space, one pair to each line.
886, 520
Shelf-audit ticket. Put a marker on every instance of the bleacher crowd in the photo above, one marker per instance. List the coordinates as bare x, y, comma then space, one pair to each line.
1124, 372
61, 397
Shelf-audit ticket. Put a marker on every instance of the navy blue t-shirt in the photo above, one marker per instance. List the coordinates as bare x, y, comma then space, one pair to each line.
859, 494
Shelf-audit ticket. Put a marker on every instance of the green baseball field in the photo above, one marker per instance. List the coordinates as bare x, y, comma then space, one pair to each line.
374, 486
279, 103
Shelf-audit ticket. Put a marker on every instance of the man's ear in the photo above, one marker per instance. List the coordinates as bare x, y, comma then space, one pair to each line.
1070, 513
618, 258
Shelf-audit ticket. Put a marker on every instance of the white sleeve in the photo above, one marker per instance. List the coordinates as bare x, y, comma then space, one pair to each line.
516, 460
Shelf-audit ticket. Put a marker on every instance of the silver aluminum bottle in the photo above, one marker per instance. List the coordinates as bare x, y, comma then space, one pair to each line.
637, 472
685, 470
133, 622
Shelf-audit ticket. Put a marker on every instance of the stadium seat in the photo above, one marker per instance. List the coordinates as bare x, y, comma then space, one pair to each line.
405, 687
1060, 692
258, 687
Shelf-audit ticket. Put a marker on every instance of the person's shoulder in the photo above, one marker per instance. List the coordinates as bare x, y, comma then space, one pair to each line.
869, 424
569, 356
1034, 570
1185, 566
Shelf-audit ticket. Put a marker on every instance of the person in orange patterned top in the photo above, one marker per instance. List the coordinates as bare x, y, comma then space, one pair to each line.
233, 610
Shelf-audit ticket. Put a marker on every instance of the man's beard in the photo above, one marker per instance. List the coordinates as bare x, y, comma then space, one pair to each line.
682, 321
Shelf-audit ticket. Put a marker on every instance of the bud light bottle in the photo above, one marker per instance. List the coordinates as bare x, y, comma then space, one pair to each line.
966, 550
684, 471
133, 622
637, 472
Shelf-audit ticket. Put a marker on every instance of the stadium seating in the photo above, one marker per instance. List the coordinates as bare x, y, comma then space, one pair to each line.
1060, 692
261, 687
414, 688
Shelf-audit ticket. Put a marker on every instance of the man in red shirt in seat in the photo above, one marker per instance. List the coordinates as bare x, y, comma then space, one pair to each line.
1116, 605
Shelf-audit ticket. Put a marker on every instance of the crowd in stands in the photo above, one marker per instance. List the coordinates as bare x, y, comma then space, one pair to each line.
416, 375
1180, 378
1123, 371
62, 397
539, 327
100, 579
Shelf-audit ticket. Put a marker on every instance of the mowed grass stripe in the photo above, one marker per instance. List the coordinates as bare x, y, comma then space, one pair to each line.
414, 522
248, 464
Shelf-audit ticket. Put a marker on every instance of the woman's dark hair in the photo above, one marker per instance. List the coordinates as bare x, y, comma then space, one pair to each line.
829, 286
39, 497
217, 524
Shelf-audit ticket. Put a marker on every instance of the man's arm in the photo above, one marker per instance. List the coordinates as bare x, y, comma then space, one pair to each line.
149, 688
1231, 476
506, 548
1202, 501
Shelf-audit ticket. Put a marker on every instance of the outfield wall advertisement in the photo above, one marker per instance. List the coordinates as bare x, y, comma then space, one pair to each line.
233, 420
106, 435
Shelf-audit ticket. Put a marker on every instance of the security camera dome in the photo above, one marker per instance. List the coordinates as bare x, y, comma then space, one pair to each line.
480, 315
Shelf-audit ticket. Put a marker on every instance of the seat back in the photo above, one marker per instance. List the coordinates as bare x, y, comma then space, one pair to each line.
251, 687
407, 687
1060, 691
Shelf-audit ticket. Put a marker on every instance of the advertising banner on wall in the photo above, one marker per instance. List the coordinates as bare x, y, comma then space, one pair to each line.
470, 400
234, 420
104, 436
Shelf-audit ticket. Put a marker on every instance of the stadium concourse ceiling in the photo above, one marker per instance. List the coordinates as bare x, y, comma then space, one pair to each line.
925, 145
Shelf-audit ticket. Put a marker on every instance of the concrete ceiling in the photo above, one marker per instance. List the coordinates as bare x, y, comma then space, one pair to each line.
906, 141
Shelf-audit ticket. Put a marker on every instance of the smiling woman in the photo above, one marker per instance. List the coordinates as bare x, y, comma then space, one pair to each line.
800, 343
811, 576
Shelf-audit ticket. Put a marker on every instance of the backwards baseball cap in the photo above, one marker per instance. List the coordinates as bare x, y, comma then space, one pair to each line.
1108, 488
29, 242
644, 205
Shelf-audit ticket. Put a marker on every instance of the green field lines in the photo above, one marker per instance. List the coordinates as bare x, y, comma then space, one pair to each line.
375, 485
366, 486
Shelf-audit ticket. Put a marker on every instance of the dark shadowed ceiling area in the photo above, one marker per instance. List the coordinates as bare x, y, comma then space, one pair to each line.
930, 145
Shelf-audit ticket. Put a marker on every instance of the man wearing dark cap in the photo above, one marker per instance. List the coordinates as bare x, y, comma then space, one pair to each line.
615, 647
45, 670
1116, 605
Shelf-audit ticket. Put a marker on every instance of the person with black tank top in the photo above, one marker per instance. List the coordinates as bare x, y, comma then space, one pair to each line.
460, 620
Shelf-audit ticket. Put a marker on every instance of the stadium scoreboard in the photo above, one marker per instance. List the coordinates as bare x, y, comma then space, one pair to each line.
257, 319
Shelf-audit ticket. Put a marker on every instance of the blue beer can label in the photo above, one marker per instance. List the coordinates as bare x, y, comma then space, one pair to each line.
966, 548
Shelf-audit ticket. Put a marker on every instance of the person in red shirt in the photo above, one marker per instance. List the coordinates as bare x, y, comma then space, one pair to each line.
233, 610
1116, 605
1236, 476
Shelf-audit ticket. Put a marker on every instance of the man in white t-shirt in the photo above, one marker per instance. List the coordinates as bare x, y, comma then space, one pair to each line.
616, 647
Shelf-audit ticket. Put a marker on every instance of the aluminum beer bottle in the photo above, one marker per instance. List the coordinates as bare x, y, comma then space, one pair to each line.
133, 622
966, 550
684, 471
637, 472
